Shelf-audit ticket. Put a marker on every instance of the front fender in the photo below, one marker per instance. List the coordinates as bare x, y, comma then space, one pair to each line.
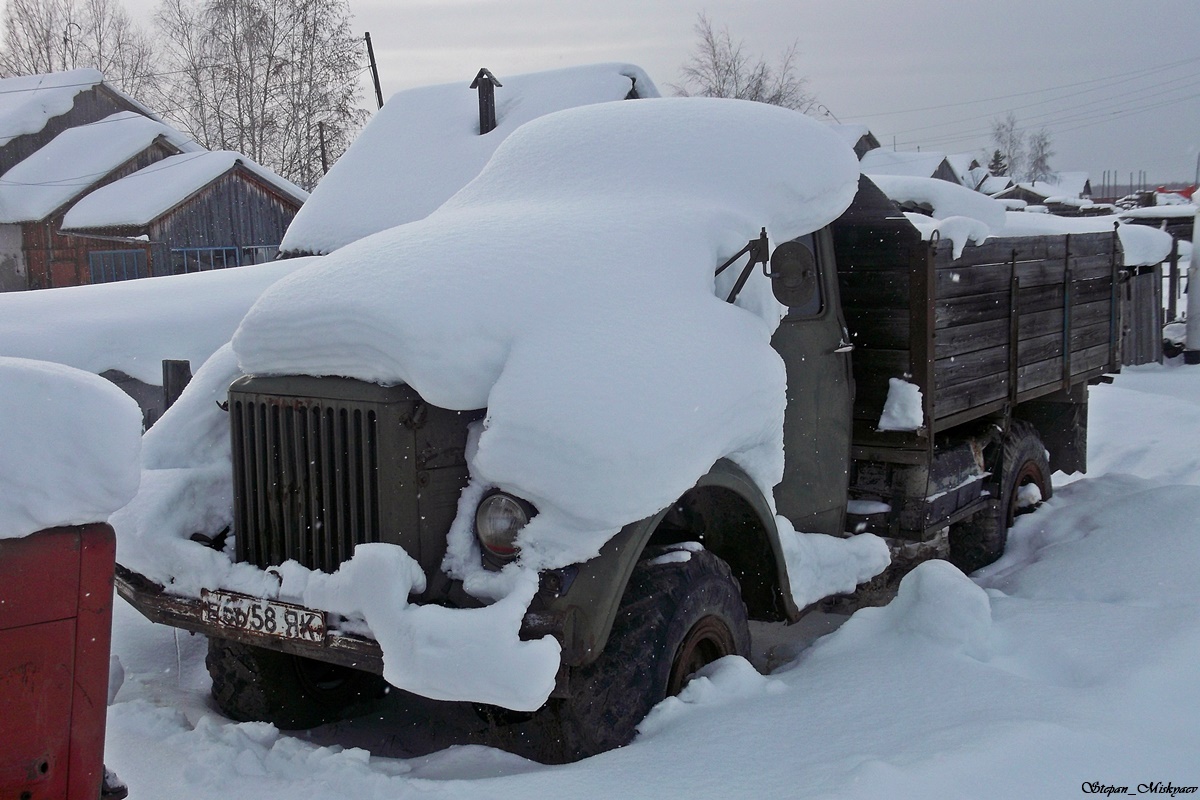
589, 608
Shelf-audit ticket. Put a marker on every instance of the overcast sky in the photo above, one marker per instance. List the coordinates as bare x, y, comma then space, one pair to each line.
1115, 82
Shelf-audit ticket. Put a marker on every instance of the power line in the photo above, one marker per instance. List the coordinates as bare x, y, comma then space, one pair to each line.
1062, 116
1139, 92
1092, 116
1126, 75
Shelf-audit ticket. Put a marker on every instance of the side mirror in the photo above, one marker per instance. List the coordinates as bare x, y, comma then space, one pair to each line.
793, 274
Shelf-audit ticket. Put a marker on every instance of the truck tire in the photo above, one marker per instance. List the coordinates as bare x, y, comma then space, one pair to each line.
254, 684
675, 617
980, 540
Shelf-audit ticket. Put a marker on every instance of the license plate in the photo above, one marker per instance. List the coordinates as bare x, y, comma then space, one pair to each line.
270, 617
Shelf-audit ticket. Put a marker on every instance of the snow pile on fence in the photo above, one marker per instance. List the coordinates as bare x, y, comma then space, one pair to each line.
68, 447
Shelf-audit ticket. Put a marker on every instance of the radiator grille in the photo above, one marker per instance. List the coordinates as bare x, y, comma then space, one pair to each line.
306, 479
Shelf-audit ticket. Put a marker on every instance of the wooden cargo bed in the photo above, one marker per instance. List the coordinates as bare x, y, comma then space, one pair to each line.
1008, 321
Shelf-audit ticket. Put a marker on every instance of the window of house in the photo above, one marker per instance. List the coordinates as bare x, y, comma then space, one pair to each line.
202, 259
117, 265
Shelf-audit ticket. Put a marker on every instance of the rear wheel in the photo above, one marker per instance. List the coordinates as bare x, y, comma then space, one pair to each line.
676, 616
977, 542
254, 684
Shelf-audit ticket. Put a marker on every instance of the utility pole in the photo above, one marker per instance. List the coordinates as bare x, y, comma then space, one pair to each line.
1191, 347
374, 71
324, 157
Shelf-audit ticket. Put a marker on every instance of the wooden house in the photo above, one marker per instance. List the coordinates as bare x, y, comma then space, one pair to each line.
909, 163
1071, 185
187, 213
36, 193
209, 210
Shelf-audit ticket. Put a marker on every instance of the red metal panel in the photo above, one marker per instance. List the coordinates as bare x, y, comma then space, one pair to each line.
35, 692
39, 578
55, 628
93, 632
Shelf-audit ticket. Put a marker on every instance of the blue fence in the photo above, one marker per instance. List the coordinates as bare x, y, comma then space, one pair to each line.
117, 265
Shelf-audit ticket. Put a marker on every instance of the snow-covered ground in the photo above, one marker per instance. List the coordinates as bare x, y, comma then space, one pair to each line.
1068, 667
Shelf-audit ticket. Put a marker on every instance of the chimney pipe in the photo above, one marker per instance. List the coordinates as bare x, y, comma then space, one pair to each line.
486, 82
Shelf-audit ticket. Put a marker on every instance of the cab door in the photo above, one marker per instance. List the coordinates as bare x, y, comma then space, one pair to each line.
814, 345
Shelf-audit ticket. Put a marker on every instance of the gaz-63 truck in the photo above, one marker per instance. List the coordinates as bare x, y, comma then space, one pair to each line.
994, 347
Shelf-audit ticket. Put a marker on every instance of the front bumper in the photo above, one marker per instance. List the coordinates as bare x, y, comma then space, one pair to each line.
187, 613
345, 649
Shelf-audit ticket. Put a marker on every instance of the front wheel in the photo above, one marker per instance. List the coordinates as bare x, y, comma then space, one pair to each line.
681, 611
1024, 482
254, 684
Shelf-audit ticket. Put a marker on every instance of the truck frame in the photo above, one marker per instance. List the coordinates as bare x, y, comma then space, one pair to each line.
1002, 343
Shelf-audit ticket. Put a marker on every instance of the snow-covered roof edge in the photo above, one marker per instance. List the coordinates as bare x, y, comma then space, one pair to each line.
66, 167
138, 199
29, 102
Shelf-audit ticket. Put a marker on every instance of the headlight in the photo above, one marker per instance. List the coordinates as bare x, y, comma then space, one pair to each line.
498, 520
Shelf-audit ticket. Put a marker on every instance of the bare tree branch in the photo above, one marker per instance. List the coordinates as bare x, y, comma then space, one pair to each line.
719, 67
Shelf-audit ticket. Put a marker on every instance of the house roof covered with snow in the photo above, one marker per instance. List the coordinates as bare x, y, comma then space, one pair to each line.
138, 199
994, 184
966, 169
1065, 184
77, 159
905, 162
857, 136
424, 145
28, 102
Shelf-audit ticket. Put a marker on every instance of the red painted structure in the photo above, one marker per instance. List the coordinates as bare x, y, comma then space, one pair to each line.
56, 590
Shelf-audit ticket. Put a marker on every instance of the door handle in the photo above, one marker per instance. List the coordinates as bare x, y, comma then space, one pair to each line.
843, 347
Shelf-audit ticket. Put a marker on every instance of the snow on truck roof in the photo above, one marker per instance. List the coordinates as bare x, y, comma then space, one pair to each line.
424, 145
569, 290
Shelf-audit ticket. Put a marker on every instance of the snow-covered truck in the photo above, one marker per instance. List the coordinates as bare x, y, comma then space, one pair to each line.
552, 447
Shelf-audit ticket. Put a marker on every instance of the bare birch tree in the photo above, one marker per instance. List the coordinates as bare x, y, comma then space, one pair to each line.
1039, 157
42, 36
720, 67
262, 77
1009, 140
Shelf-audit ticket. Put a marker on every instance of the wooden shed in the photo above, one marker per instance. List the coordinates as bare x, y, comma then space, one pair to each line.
36, 193
188, 213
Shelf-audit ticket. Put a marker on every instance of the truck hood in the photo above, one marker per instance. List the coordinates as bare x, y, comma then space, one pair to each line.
569, 290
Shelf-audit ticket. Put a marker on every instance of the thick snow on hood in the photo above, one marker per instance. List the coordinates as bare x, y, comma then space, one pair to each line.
424, 145
569, 290
69, 445
961, 216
